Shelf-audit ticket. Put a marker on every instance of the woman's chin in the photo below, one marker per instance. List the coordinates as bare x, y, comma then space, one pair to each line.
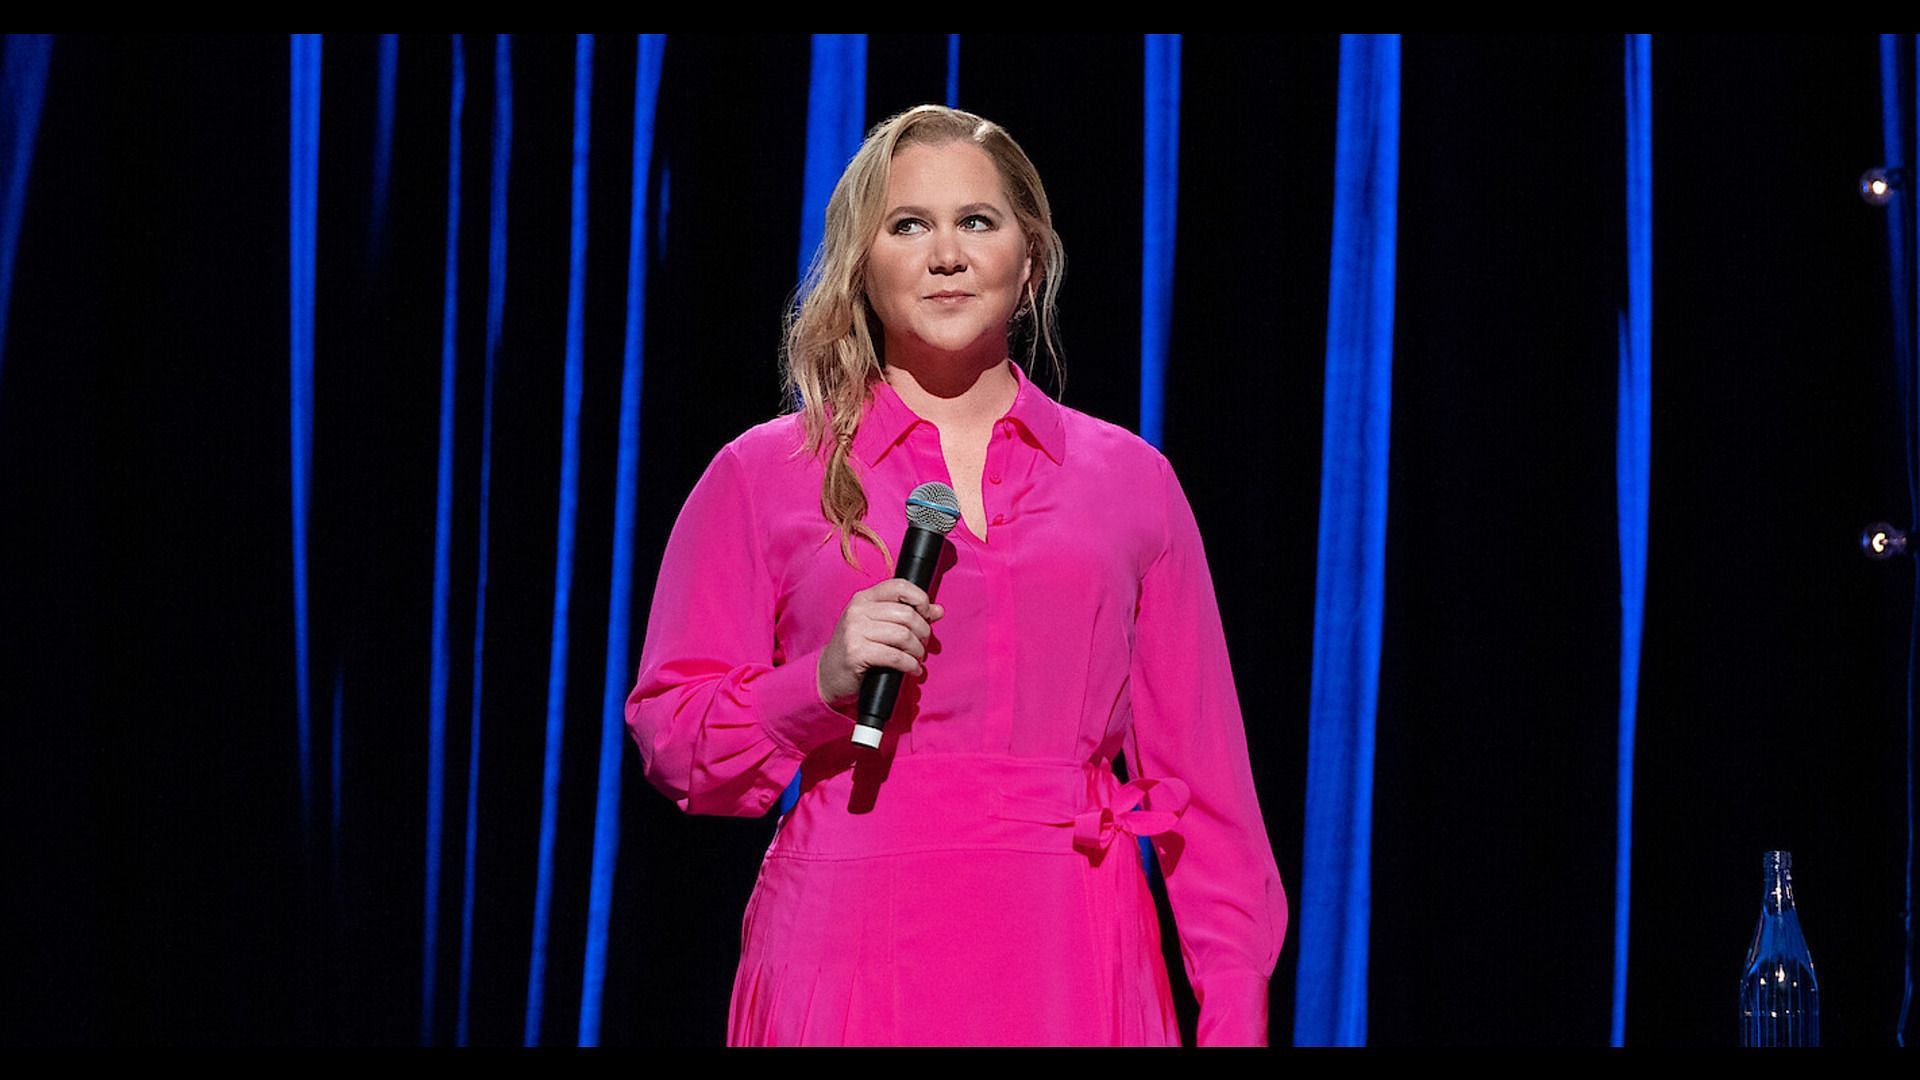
954, 341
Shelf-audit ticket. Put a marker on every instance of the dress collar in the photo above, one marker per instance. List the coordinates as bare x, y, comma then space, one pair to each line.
888, 419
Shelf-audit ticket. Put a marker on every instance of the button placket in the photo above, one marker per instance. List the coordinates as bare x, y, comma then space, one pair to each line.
996, 570
996, 465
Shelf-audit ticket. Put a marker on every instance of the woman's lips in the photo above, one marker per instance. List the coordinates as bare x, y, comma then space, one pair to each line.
949, 297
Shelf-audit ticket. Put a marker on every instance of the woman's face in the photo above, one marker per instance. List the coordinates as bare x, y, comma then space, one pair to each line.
950, 262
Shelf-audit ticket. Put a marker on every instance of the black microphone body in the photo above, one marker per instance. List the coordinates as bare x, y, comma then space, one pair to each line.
919, 557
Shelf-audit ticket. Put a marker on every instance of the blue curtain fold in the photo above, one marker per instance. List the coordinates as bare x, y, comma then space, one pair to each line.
442, 646
1159, 216
1331, 984
1633, 444
501, 150
953, 71
1899, 112
569, 488
388, 90
23, 87
303, 215
619, 669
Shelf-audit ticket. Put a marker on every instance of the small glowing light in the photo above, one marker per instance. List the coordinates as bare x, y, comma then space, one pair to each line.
1878, 184
1881, 540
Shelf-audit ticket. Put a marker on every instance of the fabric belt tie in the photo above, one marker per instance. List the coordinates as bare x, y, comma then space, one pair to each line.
1094, 829
976, 802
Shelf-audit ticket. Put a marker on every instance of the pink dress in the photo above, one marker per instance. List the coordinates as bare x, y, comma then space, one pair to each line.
977, 882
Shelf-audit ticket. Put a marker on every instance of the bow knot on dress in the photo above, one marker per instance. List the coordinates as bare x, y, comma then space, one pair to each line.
1095, 828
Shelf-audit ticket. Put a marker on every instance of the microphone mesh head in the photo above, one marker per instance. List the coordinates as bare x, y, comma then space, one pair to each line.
934, 507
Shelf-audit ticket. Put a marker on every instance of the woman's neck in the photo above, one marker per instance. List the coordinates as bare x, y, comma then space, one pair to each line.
954, 395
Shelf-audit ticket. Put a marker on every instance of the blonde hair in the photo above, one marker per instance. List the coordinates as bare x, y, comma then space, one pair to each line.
833, 338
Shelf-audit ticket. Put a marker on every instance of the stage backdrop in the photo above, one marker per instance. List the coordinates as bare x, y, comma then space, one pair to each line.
349, 386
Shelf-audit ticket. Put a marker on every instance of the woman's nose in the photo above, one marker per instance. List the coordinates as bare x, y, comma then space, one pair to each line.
945, 256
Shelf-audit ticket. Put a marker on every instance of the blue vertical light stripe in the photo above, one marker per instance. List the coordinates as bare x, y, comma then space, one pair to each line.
442, 564
389, 65
303, 212
1158, 217
1336, 882
1910, 361
1897, 116
563, 553
619, 676
23, 87
1893, 130
836, 113
953, 71
1633, 448
496, 308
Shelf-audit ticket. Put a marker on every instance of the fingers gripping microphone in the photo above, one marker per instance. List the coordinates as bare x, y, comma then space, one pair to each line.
932, 511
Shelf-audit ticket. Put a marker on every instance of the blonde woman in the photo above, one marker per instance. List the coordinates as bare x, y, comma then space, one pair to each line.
976, 880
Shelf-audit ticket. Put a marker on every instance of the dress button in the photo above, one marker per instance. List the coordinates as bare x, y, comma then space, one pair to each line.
995, 478
998, 518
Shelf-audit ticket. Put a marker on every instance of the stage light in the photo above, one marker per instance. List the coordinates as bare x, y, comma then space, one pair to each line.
1877, 185
1882, 541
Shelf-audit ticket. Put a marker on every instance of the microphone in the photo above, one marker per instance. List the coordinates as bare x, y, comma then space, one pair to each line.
932, 511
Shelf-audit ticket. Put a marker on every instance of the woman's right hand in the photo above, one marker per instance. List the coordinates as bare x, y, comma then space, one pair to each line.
885, 626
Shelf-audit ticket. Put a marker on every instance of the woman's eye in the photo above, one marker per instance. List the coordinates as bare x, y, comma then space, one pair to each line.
970, 223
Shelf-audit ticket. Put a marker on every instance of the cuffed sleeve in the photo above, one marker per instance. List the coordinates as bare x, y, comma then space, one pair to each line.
1228, 900
721, 716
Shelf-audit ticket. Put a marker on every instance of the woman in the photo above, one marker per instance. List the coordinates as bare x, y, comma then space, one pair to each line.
976, 880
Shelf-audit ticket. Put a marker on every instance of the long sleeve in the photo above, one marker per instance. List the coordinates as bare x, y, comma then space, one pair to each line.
721, 717
1228, 901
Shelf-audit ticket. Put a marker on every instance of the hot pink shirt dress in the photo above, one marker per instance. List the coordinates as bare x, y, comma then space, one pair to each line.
977, 880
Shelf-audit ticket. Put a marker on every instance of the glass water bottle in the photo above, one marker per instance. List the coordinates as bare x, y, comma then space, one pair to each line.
1779, 996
